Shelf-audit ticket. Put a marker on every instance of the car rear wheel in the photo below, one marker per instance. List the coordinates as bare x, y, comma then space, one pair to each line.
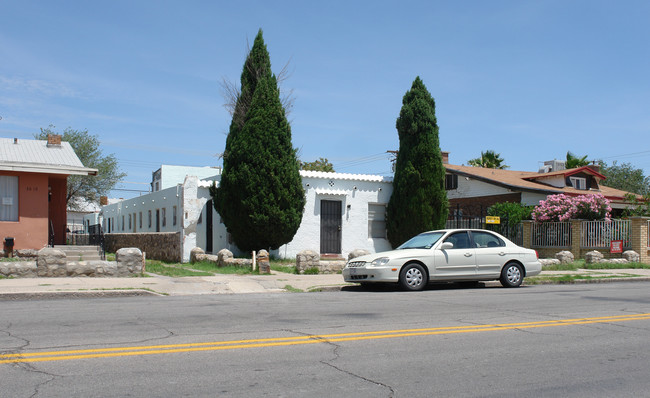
512, 275
413, 277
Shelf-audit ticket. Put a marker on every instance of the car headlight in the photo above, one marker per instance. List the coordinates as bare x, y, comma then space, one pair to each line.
378, 262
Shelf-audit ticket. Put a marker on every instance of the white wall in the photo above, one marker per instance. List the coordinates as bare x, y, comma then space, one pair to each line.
531, 198
471, 188
340, 187
165, 199
173, 175
192, 198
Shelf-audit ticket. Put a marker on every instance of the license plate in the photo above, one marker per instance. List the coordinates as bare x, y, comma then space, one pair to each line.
354, 271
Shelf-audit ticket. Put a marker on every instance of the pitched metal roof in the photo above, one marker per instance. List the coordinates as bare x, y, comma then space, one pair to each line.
35, 156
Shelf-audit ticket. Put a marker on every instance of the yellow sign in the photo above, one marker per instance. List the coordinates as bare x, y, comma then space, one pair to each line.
492, 220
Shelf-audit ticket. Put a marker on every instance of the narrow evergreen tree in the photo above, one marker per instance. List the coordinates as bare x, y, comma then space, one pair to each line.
419, 200
260, 196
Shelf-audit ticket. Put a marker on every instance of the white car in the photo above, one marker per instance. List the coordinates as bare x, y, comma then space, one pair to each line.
444, 256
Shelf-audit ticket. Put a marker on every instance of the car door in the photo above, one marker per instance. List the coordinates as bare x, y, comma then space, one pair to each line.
458, 262
490, 253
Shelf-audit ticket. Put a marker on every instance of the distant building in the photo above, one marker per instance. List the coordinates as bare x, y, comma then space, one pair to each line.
33, 185
343, 212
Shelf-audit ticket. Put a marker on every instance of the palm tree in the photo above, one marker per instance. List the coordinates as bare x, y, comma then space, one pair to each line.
489, 159
572, 161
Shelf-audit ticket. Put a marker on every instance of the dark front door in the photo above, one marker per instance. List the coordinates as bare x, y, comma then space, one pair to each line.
330, 226
208, 226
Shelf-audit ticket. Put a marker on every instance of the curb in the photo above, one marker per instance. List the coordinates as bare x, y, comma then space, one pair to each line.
77, 295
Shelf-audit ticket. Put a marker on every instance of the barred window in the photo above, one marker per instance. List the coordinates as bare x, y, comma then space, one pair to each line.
376, 220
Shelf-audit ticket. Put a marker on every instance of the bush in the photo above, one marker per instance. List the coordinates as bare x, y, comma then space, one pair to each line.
564, 208
513, 213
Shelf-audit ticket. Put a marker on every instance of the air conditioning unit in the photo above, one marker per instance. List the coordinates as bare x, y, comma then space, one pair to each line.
554, 165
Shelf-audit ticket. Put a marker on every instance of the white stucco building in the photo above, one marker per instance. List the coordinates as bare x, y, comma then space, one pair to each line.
343, 212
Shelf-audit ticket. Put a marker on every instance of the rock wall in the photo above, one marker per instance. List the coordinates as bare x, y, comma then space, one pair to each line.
53, 263
163, 246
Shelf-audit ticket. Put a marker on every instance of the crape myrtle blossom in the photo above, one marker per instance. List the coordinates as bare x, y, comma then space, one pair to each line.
564, 208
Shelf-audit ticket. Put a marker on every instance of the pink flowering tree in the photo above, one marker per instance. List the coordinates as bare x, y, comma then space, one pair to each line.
564, 208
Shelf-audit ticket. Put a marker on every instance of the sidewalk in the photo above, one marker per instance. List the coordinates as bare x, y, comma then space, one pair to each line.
162, 285
232, 284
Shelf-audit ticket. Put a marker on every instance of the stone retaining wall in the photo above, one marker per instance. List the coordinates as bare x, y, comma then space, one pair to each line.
163, 246
53, 263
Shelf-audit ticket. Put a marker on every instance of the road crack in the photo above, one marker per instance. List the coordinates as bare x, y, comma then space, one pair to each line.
335, 351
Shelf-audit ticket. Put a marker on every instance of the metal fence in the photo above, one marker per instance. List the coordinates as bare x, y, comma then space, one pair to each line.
466, 222
551, 234
599, 234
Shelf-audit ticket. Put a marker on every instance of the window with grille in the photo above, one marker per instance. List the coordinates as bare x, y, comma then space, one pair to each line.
376, 220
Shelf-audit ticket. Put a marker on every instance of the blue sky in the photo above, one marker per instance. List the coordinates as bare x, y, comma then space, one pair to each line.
528, 79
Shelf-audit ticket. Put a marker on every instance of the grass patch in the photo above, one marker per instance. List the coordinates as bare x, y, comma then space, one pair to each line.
14, 259
110, 256
569, 278
172, 270
287, 269
292, 289
581, 264
311, 271
286, 265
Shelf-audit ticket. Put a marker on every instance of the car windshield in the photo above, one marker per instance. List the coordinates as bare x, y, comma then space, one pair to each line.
422, 241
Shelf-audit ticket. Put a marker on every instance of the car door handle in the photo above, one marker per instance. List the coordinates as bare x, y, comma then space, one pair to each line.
468, 254
502, 253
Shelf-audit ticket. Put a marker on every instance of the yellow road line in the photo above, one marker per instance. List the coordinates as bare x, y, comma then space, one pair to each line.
298, 340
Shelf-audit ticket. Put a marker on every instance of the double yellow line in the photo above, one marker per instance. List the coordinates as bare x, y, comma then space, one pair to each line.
298, 340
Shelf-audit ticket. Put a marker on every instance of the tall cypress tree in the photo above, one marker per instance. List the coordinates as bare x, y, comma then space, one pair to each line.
419, 200
260, 196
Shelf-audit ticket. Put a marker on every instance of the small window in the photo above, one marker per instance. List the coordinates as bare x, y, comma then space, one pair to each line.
129, 221
451, 182
8, 198
174, 216
164, 216
123, 223
578, 183
459, 239
140, 217
149, 218
486, 239
376, 221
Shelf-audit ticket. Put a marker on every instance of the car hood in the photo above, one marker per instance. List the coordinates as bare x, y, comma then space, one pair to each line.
394, 254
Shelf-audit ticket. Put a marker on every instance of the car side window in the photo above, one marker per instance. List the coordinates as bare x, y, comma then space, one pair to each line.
486, 239
459, 239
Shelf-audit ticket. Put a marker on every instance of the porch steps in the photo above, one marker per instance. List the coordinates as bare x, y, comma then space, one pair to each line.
80, 253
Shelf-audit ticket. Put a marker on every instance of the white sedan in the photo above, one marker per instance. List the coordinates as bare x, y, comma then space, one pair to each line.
444, 256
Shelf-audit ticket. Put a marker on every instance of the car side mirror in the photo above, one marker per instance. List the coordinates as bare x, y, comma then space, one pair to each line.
446, 246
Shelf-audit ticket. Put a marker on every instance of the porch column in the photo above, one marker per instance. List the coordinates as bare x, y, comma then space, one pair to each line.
639, 237
575, 238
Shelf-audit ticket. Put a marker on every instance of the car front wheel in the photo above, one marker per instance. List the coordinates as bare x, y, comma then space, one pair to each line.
512, 275
413, 277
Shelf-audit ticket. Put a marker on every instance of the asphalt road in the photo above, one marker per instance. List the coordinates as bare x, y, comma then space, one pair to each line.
538, 341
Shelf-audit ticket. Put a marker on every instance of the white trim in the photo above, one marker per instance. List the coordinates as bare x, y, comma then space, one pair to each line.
36, 168
344, 176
